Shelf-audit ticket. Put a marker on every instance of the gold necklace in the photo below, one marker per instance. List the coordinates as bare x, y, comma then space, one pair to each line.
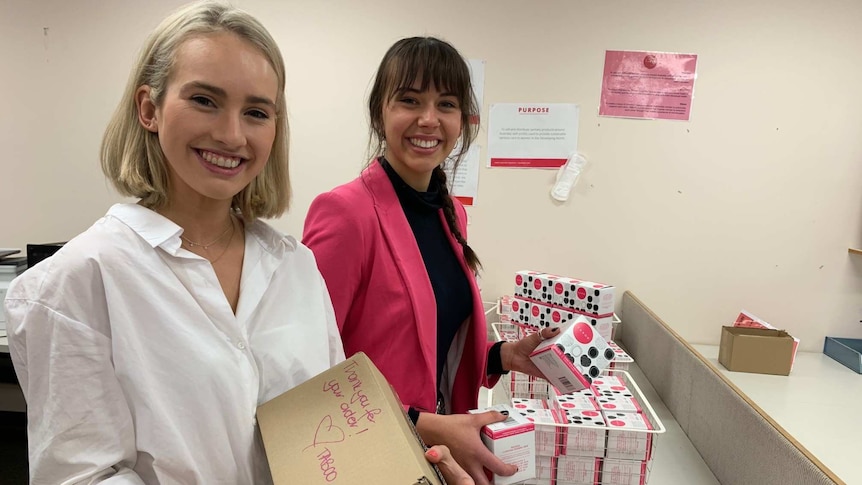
233, 230
207, 246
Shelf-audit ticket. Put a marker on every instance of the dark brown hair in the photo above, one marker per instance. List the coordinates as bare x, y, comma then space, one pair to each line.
430, 61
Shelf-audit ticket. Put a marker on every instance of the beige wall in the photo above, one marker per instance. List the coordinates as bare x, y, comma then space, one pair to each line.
752, 204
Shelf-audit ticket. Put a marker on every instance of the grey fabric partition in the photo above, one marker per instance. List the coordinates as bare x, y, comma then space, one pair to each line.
737, 441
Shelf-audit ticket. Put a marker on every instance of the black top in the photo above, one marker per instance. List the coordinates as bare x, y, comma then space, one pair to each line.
451, 286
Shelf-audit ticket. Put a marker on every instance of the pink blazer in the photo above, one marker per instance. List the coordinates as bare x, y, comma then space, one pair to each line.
383, 300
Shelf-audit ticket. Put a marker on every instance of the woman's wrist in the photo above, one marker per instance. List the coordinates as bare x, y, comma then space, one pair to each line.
495, 360
413, 414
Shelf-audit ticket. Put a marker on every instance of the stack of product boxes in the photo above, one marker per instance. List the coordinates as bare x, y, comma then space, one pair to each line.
593, 437
543, 300
596, 436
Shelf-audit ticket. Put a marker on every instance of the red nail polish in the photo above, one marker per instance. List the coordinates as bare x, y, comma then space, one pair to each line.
433, 453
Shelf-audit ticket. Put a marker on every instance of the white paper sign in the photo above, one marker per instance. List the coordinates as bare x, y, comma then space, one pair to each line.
477, 79
532, 135
465, 183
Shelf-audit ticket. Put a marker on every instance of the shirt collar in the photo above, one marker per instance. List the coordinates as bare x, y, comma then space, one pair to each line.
159, 231
272, 241
156, 229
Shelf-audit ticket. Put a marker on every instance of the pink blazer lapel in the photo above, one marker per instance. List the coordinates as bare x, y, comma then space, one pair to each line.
399, 236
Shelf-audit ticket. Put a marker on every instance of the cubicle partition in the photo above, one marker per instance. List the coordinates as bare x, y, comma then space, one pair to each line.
740, 443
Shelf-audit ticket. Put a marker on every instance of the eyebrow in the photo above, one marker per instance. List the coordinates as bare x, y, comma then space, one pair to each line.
222, 93
414, 90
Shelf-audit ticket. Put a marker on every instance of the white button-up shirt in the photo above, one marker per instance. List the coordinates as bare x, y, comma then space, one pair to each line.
136, 369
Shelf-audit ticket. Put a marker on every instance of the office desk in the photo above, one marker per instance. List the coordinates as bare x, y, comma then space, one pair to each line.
11, 397
675, 461
817, 404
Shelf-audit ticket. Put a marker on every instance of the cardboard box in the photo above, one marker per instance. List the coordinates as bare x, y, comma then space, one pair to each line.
345, 425
758, 350
747, 319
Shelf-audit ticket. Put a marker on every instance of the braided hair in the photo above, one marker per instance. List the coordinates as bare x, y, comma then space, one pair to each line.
449, 211
427, 60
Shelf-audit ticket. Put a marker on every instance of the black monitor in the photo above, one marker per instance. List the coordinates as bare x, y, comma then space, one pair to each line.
38, 252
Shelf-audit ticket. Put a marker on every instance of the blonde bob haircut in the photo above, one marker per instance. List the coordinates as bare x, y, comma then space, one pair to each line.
132, 158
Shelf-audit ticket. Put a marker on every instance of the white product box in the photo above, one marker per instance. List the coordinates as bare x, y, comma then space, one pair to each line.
527, 331
624, 472
588, 392
545, 427
545, 466
528, 403
526, 285
546, 316
527, 386
504, 305
625, 443
603, 325
509, 332
623, 402
578, 470
543, 284
519, 384
573, 402
594, 299
571, 360
622, 360
610, 381
521, 311
565, 290
513, 441
587, 438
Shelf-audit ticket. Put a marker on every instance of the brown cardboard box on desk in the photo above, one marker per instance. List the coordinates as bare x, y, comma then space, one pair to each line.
344, 426
758, 350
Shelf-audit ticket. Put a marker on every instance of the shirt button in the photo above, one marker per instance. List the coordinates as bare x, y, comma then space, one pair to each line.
240, 345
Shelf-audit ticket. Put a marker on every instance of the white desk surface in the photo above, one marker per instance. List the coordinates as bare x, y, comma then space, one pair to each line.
817, 404
675, 459
4, 345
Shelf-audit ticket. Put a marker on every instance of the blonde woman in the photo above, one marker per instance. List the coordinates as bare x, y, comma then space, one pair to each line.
146, 344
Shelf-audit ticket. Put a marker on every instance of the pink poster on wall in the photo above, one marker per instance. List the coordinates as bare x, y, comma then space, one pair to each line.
650, 85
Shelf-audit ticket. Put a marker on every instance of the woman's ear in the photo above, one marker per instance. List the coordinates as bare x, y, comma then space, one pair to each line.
146, 109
